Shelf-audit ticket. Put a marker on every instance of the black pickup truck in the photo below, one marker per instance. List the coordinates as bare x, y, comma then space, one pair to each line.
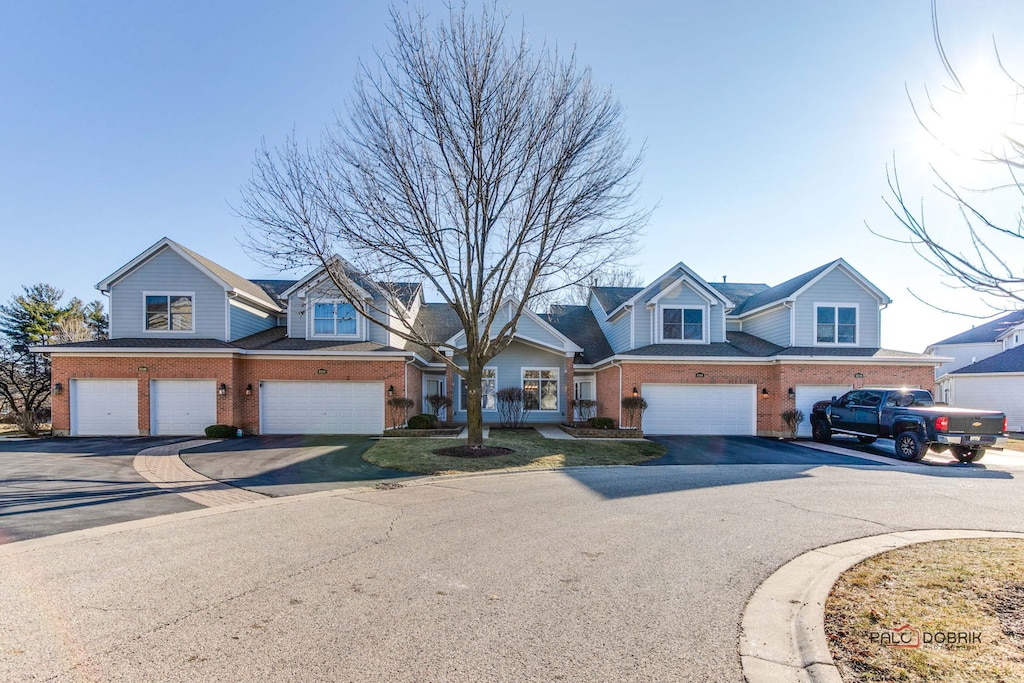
911, 418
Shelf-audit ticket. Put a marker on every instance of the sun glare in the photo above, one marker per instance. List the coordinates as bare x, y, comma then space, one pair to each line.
978, 121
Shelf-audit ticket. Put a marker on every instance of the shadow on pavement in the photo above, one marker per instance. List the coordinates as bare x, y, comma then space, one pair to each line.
290, 465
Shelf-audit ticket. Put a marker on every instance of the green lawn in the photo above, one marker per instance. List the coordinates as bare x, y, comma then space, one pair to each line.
532, 451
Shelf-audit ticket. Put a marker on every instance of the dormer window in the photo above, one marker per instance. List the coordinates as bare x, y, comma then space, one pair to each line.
836, 324
169, 312
335, 319
682, 324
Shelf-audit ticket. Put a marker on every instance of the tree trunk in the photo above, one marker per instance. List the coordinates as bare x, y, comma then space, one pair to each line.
474, 414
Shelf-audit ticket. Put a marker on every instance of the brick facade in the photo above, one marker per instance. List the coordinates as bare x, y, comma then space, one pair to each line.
777, 378
237, 374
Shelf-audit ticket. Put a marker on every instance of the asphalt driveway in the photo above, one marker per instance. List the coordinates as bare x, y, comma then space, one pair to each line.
49, 486
744, 450
290, 465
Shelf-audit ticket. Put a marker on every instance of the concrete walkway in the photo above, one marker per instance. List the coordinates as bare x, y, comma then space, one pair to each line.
163, 467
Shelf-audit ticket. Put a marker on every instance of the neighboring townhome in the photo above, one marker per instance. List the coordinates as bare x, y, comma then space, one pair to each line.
193, 344
987, 370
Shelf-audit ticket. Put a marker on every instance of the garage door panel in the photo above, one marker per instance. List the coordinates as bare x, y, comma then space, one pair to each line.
321, 407
104, 407
700, 409
183, 407
809, 394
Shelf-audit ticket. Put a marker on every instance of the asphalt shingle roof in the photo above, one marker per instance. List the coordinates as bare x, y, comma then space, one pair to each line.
738, 292
1011, 360
579, 324
780, 291
236, 281
611, 298
987, 332
274, 288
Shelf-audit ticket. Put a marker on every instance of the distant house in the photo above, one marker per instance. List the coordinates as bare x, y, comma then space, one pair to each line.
193, 344
987, 370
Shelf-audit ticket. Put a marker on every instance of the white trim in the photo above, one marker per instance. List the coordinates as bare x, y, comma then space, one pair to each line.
882, 297
558, 387
168, 294
694, 279
835, 306
679, 282
360, 333
659, 327
322, 271
567, 344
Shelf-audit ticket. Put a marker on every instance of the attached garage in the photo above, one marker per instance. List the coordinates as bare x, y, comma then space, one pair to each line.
700, 409
809, 394
104, 407
321, 407
182, 407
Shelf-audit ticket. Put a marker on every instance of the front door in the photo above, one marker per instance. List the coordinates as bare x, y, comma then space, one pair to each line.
583, 390
434, 386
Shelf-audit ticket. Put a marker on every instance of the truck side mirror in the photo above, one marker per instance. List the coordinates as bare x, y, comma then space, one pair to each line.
835, 401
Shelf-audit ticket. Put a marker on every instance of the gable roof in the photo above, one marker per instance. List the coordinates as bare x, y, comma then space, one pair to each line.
988, 332
405, 292
676, 273
738, 292
274, 287
1011, 360
611, 298
567, 343
794, 286
579, 324
231, 282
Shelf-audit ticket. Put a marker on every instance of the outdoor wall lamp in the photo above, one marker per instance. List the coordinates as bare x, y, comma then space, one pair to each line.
764, 393
58, 387
223, 390
391, 391
635, 392
859, 375
699, 374
792, 394
248, 390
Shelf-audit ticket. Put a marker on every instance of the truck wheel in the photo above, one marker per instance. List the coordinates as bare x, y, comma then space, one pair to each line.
967, 454
820, 432
867, 439
909, 446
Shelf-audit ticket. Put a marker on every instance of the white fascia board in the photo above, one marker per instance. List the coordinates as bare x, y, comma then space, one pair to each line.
321, 272
761, 310
965, 375
882, 297
165, 242
567, 344
696, 279
254, 302
133, 351
857, 360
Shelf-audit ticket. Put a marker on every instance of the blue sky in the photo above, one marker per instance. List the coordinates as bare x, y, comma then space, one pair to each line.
768, 126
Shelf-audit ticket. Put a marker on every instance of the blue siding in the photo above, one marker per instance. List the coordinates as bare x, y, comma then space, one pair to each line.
245, 321
166, 271
773, 326
509, 365
837, 288
616, 333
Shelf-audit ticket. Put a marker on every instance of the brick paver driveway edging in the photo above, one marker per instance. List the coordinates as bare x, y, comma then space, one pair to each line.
162, 466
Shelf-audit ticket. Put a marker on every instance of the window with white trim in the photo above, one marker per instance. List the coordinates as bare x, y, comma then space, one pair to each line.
682, 324
540, 389
488, 391
169, 312
334, 319
836, 324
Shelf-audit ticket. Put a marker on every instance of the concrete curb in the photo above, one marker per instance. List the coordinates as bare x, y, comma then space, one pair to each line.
782, 637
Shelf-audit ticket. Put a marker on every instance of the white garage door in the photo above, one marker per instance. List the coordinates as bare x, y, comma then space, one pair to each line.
700, 409
182, 406
809, 394
104, 407
321, 407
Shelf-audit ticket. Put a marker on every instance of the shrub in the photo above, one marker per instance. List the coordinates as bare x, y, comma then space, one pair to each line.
793, 417
586, 408
423, 421
633, 408
398, 409
437, 402
222, 431
512, 410
601, 423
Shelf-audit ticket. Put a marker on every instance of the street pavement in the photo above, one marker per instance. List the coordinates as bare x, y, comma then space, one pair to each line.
595, 574
50, 486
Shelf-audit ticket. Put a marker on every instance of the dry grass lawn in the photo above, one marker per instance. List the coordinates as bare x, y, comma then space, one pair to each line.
531, 451
967, 585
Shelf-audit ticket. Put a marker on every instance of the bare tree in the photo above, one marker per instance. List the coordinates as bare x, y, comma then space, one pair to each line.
25, 385
489, 170
577, 295
987, 258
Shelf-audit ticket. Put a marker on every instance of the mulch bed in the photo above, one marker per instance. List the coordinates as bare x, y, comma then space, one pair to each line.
471, 452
